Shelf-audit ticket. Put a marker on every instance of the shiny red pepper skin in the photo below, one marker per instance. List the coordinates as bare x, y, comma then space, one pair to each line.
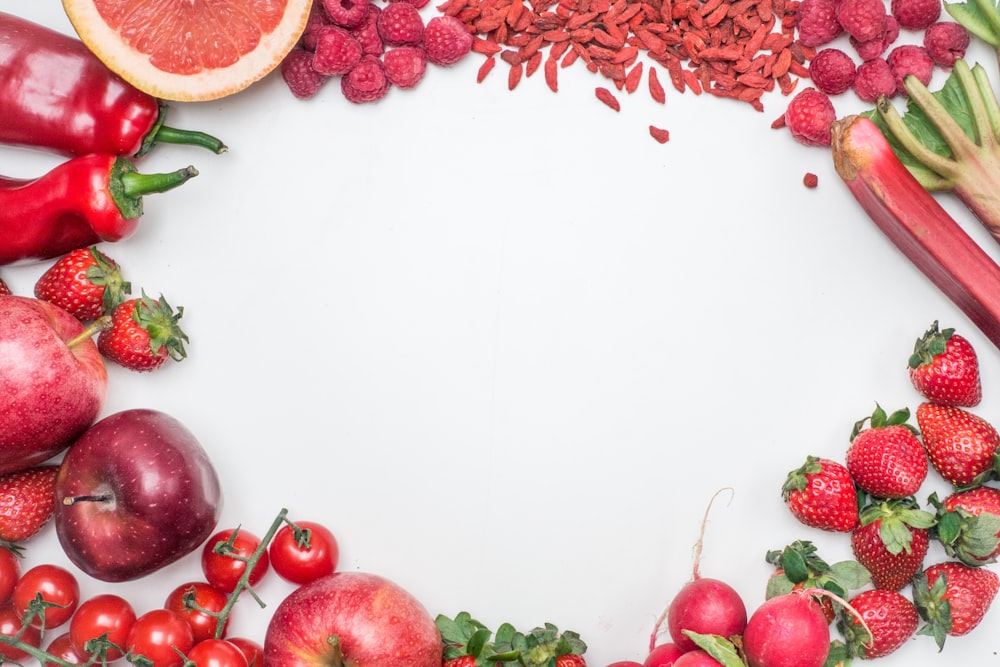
56, 94
78, 203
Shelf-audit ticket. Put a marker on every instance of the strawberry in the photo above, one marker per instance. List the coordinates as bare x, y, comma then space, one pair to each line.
84, 282
27, 500
460, 661
4, 289
953, 598
887, 459
821, 494
571, 660
944, 368
891, 619
968, 525
891, 541
143, 334
961, 446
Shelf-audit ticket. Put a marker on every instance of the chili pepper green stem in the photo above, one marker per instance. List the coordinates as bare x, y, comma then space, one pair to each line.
171, 135
135, 185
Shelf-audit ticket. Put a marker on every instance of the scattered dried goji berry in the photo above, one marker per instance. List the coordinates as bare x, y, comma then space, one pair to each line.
606, 96
661, 135
810, 180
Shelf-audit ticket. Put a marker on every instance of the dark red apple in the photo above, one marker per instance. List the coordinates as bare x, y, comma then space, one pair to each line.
136, 492
352, 619
50, 391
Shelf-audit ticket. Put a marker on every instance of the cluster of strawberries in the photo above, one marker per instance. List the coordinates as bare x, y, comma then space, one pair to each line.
872, 496
138, 333
371, 48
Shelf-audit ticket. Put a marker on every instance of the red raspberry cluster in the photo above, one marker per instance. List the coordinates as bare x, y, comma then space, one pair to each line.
874, 65
371, 48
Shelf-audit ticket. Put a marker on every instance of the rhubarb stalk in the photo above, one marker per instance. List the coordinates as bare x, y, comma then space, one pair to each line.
916, 222
950, 140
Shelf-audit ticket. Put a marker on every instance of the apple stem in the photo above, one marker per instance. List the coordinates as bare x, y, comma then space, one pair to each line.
86, 499
94, 328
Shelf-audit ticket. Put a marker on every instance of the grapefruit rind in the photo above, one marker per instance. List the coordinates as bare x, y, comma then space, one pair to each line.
134, 66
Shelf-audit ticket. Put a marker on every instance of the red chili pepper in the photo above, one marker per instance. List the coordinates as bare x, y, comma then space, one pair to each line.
56, 94
83, 201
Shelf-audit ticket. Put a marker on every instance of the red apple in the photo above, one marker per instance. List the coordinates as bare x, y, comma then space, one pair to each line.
50, 391
136, 492
353, 619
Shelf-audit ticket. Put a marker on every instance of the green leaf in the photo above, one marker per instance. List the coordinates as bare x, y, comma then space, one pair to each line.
975, 16
794, 565
851, 574
720, 648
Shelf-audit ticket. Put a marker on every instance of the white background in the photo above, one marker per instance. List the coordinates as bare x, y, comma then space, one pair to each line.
507, 346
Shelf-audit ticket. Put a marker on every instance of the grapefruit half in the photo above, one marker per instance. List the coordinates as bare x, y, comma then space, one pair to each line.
189, 50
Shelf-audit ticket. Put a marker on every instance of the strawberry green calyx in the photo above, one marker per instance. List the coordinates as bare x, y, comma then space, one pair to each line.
933, 607
160, 320
880, 418
970, 538
539, 648
933, 343
897, 519
465, 638
106, 273
800, 566
950, 140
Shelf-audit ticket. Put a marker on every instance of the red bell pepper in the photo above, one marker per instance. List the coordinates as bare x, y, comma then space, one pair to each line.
56, 94
83, 201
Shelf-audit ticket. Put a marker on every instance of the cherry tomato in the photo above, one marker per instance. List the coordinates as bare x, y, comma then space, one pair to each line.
10, 625
10, 572
223, 571
252, 651
57, 586
158, 635
217, 653
105, 614
305, 554
62, 647
203, 596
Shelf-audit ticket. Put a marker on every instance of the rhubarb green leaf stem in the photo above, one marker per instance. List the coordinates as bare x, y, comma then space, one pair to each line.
953, 136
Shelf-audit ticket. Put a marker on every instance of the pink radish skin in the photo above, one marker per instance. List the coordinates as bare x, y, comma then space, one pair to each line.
663, 655
708, 607
625, 663
787, 631
697, 658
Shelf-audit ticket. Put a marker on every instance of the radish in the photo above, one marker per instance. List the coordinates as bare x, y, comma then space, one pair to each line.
697, 658
663, 655
787, 631
703, 605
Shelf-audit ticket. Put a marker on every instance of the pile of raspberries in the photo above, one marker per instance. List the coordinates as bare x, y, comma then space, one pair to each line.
371, 48
876, 68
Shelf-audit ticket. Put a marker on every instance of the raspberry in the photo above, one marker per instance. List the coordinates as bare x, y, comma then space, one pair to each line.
366, 82
367, 32
318, 19
916, 14
862, 19
817, 22
337, 51
446, 40
832, 71
346, 13
946, 42
873, 79
910, 59
809, 117
299, 75
419, 4
400, 24
404, 65
874, 48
